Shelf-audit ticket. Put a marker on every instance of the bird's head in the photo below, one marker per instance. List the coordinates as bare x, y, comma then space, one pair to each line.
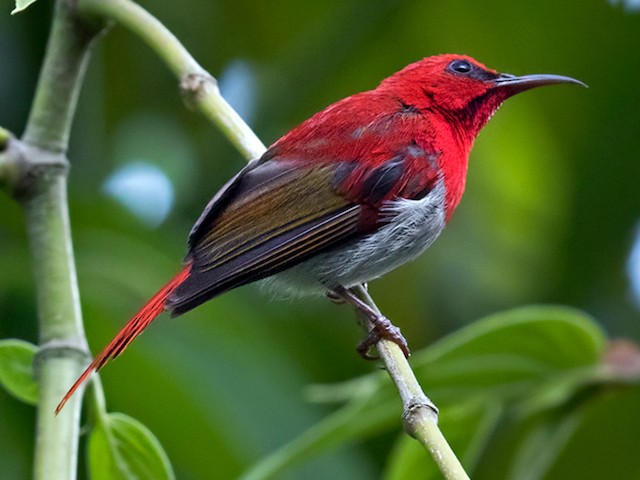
465, 91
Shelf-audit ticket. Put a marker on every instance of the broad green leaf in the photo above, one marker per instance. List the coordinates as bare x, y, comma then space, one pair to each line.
499, 358
559, 336
16, 369
21, 5
593, 436
120, 447
541, 447
604, 442
509, 351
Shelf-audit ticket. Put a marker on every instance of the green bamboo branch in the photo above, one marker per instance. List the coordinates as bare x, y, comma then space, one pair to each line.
198, 87
34, 170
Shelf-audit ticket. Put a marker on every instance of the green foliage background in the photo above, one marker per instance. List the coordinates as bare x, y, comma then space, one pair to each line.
549, 216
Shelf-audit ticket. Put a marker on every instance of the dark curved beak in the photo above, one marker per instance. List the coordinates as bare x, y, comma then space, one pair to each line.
515, 84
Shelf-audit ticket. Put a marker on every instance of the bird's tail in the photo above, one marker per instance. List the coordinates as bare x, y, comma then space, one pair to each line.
131, 330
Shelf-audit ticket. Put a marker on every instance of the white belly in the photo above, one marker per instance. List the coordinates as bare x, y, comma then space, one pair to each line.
415, 226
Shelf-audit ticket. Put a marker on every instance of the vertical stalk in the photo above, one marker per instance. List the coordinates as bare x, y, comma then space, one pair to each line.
43, 193
60, 80
61, 336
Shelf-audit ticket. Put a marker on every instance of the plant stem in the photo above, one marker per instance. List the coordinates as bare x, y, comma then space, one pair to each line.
198, 87
43, 192
60, 81
63, 346
420, 415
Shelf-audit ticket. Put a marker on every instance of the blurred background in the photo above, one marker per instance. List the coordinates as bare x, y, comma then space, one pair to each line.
551, 213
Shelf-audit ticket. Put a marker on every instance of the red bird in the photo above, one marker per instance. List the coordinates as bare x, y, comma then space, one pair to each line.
358, 189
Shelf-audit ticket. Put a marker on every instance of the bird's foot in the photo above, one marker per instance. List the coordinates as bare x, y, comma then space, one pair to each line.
382, 329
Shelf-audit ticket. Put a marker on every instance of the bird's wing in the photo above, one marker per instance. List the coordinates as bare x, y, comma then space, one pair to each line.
274, 216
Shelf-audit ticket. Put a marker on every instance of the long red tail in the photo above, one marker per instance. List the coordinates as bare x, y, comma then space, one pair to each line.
131, 330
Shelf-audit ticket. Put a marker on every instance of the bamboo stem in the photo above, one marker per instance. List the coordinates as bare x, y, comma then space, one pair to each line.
42, 190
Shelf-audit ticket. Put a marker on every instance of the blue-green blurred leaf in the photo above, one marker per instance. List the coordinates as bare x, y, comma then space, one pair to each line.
120, 447
16, 369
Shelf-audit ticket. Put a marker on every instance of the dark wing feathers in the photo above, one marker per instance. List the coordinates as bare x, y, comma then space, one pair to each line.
246, 179
264, 209
277, 217
268, 258
382, 180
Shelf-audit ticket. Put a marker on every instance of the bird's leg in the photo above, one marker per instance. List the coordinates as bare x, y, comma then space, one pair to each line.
337, 299
382, 326
334, 297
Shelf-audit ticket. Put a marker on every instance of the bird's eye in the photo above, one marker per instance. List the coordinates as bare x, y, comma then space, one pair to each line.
462, 67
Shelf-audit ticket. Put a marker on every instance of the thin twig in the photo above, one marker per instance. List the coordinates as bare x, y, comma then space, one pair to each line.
419, 414
198, 87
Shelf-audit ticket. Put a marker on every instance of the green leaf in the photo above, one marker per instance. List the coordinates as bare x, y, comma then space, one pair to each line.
507, 352
500, 358
21, 5
543, 444
559, 336
16, 369
120, 447
603, 444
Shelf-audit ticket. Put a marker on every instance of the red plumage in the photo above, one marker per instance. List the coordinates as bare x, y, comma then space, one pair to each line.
418, 105
134, 327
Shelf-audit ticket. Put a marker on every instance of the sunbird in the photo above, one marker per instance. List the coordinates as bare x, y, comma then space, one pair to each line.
353, 192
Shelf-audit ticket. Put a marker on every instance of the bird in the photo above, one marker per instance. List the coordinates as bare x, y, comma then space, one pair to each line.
356, 190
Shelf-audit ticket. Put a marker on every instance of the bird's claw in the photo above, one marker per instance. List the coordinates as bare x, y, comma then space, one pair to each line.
382, 329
